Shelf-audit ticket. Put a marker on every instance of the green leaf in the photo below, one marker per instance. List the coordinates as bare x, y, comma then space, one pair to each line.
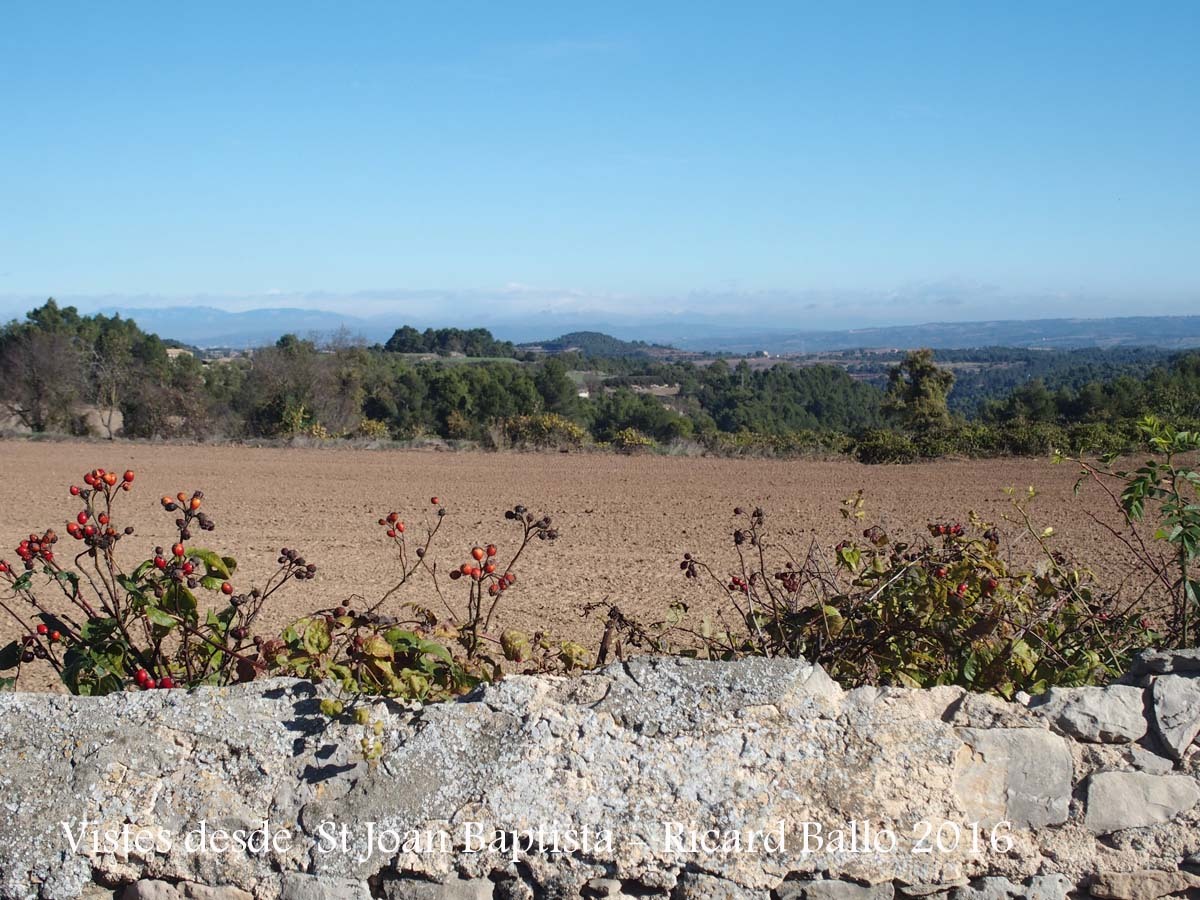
7, 684
215, 565
180, 601
316, 637
160, 618
378, 648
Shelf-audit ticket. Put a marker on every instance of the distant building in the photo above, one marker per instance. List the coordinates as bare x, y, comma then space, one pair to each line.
176, 352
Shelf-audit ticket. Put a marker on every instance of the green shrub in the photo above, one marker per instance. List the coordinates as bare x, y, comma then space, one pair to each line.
543, 430
948, 609
630, 439
883, 446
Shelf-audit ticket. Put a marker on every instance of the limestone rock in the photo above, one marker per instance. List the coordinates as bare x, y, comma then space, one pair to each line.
1047, 887
1145, 761
1176, 705
1120, 800
1157, 662
151, 890
996, 888
297, 886
1109, 715
940, 889
1016, 775
698, 886
833, 890
456, 889
1144, 885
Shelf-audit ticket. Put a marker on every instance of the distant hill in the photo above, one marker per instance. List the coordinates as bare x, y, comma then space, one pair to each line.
594, 343
1173, 332
206, 326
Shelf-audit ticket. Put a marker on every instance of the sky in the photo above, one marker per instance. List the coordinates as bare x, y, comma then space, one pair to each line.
810, 164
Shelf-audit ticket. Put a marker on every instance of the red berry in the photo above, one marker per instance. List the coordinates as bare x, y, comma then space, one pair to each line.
55, 637
465, 569
159, 562
491, 549
392, 518
89, 530
3, 567
103, 519
188, 568
226, 587
177, 549
962, 589
129, 474
82, 517
391, 532
477, 554
940, 572
433, 500
400, 527
110, 479
43, 629
490, 568
74, 490
166, 682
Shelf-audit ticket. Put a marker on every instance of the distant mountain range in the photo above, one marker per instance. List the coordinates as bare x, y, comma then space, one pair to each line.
205, 326
1175, 332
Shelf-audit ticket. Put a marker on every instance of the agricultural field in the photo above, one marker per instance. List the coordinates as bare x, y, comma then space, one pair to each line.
624, 521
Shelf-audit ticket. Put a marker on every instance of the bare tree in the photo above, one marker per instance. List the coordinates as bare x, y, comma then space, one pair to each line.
41, 378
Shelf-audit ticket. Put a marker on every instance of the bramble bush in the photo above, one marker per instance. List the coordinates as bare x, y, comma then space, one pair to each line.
946, 609
428, 654
1169, 485
148, 627
133, 628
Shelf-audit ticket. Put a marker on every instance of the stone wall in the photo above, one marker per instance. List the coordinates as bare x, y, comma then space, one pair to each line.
656, 778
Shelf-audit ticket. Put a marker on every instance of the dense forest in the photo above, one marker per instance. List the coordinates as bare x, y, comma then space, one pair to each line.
65, 372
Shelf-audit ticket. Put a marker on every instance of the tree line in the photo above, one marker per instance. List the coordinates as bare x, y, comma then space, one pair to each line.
66, 372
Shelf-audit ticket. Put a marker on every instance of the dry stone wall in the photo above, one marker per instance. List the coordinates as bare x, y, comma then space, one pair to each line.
658, 778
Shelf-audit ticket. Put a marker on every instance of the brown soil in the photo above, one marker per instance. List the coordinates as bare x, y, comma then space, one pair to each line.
624, 521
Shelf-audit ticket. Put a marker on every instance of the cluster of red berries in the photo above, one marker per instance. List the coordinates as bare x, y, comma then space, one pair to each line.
483, 567
100, 480
147, 683
943, 529
392, 523
33, 548
90, 526
32, 649
739, 584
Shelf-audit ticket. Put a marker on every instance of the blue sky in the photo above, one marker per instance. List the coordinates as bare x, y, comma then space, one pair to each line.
830, 162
